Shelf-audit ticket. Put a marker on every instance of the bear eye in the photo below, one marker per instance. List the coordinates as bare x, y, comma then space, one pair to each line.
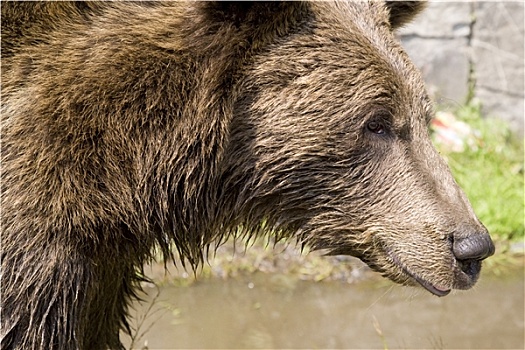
376, 127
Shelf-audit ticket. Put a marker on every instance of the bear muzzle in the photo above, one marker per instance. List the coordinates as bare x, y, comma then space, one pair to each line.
470, 247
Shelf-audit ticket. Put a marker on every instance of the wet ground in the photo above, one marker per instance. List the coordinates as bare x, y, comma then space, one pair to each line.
277, 311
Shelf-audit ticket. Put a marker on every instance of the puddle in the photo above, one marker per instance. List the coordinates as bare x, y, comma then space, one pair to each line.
274, 311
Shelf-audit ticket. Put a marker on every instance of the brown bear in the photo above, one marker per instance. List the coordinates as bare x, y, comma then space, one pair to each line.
130, 126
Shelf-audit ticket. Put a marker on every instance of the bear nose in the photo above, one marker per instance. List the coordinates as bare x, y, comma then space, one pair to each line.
473, 246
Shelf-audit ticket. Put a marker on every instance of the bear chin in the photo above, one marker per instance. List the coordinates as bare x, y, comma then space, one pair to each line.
463, 275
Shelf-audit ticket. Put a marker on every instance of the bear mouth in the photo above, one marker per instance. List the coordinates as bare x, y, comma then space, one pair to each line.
434, 289
437, 290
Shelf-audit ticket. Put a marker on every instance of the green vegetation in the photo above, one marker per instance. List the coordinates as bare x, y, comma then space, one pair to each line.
490, 171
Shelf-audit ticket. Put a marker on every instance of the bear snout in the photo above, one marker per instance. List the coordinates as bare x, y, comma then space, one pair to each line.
472, 246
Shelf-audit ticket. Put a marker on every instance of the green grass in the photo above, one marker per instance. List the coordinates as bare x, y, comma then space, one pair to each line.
490, 171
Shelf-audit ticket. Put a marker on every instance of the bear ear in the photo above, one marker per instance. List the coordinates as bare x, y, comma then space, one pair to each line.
402, 12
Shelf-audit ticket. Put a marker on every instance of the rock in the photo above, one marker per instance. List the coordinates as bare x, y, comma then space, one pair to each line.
498, 59
472, 50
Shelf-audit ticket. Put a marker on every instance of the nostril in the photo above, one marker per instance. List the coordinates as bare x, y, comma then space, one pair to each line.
470, 267
474, 247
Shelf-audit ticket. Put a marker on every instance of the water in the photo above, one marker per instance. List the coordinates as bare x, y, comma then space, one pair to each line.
276, 311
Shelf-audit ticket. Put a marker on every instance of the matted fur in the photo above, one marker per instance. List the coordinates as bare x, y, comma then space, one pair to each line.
127, 126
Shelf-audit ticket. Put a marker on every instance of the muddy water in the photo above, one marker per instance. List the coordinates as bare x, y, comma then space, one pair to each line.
275, 311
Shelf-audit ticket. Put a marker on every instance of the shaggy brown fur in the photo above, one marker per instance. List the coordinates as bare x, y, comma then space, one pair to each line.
127, 126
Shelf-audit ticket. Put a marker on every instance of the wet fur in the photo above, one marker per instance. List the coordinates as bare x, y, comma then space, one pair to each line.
130, 126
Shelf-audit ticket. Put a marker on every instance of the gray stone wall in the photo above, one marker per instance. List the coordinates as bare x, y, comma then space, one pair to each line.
472, 50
